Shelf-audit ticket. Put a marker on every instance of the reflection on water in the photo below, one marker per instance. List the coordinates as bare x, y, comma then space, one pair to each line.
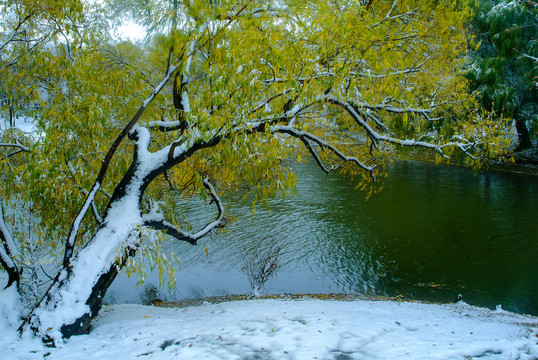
432, 233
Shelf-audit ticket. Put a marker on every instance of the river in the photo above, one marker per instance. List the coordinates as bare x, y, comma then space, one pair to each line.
432, 233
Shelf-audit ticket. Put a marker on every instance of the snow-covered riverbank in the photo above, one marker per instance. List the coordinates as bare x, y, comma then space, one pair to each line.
293, 329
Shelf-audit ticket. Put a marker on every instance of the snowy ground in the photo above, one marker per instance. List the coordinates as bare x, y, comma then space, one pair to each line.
293, 329
23, 123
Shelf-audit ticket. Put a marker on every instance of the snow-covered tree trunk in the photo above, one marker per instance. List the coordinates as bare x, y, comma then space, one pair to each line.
77, 292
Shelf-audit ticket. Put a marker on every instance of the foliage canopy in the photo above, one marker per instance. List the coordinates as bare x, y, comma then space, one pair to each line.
504, 68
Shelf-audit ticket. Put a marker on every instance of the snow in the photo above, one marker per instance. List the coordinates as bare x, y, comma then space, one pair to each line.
80, 216
503, 6
23, 123
185, 102
292, 329
10, 307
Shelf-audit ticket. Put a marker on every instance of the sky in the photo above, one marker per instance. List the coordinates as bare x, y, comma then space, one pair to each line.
131, 31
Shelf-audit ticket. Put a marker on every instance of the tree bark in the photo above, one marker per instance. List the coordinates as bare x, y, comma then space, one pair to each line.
83, 324
60, 314
524, 140
13, 274
11, 114
95, 301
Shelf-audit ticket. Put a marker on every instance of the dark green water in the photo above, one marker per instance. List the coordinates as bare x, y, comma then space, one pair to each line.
432, 233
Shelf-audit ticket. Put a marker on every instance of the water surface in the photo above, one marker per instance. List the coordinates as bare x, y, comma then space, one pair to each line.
432, 233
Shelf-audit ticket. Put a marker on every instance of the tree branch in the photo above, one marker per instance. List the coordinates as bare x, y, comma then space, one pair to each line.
20, 146
157, 222
16, 30
306, 138
165, 126
394, 17
70, 242
531, 57
410, 70
463, 144
96, 214
396, 110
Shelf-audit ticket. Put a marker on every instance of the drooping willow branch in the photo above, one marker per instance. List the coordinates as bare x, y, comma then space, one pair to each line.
171, 68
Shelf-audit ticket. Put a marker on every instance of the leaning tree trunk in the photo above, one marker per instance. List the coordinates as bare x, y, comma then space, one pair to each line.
76, 295
77, 292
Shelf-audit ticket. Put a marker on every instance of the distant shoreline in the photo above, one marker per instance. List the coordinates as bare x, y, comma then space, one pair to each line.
524, 163
242, 297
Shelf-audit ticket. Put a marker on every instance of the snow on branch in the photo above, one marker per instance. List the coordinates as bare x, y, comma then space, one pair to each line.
308, 139
462, 144
531, 57
157, 222
70, 243
20, 148
16, 31
96, 214
397, 110
414, 69
5, 235
407, 16
9, 265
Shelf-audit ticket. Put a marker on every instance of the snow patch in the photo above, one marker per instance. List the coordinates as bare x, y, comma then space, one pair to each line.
10, 307
185, 102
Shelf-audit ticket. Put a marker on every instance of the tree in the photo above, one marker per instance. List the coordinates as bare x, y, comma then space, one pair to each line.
504, 69
220, 102
28, 28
